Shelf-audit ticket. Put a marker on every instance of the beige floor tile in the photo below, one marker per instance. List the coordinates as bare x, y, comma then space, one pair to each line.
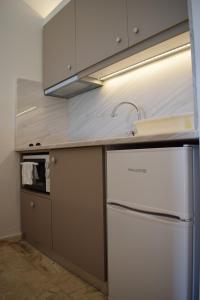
26, 274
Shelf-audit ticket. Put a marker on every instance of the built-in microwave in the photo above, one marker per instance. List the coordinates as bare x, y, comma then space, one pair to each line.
35, 172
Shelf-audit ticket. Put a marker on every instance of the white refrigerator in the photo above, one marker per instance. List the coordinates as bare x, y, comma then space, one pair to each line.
152, 219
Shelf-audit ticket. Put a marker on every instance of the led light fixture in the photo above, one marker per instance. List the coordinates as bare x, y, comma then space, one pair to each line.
147, 61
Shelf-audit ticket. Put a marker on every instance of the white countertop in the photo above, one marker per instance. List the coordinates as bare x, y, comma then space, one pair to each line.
176, 136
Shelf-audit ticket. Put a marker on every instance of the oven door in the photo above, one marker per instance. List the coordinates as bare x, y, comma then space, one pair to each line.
39, 175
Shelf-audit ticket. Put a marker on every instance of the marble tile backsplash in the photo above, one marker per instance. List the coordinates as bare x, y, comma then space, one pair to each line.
160, 89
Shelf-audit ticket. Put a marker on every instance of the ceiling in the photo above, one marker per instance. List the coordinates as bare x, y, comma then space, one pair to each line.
43, 7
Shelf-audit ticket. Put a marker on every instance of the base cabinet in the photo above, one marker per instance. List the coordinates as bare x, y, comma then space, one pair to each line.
69, 224
78, 208
36, 219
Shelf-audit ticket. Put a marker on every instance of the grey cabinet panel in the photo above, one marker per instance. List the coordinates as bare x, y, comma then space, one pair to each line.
149, 17
101, 30
78, 208
36, 219
59, 46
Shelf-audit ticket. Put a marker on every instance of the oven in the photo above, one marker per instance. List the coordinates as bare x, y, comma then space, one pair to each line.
35, 172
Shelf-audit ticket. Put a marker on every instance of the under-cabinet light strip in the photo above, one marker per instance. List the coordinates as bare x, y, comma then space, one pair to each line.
147, 61
26, 111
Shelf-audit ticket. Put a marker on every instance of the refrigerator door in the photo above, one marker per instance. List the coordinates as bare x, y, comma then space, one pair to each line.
149, 257
158, 179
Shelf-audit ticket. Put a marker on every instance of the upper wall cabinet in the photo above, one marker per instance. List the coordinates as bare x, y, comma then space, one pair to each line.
149, 17
59, 46
86, 32
101, 30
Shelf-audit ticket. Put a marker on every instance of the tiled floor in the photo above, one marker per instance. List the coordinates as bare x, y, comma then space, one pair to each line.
26, 274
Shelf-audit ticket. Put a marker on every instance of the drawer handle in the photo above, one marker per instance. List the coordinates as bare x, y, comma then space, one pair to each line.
32, 204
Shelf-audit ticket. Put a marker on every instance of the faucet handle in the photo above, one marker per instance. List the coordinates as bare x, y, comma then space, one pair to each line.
114, 114
131, 132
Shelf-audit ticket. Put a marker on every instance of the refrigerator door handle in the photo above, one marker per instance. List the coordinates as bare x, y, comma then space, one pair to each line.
144, 212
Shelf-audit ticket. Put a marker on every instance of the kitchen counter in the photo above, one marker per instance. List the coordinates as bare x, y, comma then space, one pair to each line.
177, 136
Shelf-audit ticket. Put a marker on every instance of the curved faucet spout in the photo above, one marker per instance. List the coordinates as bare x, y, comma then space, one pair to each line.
113, 113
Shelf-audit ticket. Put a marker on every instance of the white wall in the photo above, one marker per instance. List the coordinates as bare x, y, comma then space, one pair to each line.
20, 56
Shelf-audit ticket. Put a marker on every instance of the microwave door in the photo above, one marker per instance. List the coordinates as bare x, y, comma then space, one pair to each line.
39, 175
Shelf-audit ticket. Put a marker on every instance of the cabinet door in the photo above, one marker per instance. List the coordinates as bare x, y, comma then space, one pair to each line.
101, 30
59, 46
78, 208
149, 17
36, 219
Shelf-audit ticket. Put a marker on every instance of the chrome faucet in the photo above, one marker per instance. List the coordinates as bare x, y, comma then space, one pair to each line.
113, 113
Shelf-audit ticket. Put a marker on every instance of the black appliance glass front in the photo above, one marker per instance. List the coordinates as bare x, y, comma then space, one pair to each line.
39, 177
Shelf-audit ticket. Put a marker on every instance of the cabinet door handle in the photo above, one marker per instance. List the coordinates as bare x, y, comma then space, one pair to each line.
32, 204
69, 67
118, 39
53, 160
135, 29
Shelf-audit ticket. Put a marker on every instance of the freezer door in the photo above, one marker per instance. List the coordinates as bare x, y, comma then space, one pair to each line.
158, 179
148, 257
